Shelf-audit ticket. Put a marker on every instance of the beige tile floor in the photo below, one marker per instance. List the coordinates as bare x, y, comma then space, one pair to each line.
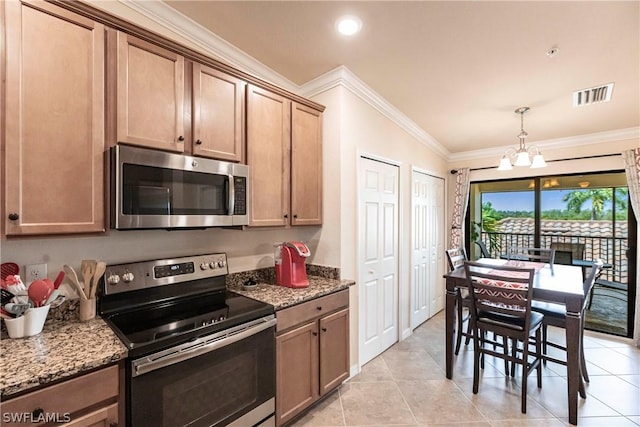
406, 386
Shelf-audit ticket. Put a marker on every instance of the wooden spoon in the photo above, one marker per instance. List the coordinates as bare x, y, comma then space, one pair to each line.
101, 266
73, 278
87, 268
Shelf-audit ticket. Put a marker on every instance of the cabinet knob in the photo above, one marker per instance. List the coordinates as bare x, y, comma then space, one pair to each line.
286, 215
181, 138
295, 216
315, 334
324, 329
198, 141
319, 308
14, 216
37, 413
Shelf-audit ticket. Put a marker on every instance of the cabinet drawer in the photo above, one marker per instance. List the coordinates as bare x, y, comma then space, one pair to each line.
67, 397
311, 309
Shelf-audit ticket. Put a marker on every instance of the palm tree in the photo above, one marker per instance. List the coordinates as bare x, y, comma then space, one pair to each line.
598, 196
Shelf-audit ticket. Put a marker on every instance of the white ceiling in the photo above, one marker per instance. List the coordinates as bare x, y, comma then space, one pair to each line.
458, 69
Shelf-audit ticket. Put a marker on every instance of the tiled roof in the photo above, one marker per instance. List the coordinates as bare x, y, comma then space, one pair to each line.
587, 228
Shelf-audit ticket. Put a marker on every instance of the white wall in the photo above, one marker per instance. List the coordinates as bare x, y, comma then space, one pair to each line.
353, 128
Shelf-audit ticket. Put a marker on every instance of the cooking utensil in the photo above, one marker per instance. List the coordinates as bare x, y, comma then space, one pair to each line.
17, 309
39, 291
57, 301
8, 269
59, 279
101, 266
5, 296
73, 278
87, 267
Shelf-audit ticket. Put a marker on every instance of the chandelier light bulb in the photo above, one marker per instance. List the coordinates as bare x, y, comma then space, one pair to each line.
524, 156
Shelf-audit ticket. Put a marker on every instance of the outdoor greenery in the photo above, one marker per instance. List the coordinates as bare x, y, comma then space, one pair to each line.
575, 200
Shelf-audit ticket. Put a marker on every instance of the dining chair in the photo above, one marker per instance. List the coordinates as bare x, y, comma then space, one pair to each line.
556, 315
456, 258
524, 253
501, 303
576, 249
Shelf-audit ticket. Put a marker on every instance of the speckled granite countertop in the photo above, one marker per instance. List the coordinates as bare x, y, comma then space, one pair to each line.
63, 349
281, 297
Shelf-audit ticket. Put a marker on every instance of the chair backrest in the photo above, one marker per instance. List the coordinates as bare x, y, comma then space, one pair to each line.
564, 257
576, 249
456, 258
524, 253
590, 281
483, 249
501, 289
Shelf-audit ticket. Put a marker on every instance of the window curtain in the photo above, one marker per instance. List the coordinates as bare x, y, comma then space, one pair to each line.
460, 202
632, 169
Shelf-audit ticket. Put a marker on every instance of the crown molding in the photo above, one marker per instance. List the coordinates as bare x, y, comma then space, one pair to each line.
568, 142
207, 41
342, 76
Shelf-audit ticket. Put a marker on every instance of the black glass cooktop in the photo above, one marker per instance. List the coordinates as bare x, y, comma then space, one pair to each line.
163, 324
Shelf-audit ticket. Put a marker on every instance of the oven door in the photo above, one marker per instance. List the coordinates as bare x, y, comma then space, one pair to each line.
227, 378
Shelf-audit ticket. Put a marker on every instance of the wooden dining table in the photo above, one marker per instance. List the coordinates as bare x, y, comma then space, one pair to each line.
561, 284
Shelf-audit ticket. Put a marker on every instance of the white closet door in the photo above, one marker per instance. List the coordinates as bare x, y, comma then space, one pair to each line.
427, 285
378, 257
420, 266
436, 242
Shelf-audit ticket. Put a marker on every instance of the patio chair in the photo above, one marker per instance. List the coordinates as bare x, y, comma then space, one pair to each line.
523, 253
501, 303
456, 258
576, 249
618, 290
556, 315
483, 249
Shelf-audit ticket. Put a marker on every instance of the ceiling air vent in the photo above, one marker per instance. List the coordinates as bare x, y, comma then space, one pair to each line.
592, 95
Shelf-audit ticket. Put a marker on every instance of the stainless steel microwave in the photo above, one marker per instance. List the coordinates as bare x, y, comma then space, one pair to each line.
155, 189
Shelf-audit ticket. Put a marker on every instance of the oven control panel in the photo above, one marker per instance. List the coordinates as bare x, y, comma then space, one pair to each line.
146, 274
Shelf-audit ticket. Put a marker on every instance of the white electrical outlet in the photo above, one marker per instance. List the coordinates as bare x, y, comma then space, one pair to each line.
35, 272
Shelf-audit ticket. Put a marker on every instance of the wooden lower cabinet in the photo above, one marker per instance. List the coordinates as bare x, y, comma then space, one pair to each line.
90, 400
312, 355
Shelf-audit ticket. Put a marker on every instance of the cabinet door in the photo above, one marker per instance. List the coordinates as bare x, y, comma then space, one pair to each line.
306, 165
296, 370
150, 95
334, 350
103, 417
54, 123
217, 114
268, 157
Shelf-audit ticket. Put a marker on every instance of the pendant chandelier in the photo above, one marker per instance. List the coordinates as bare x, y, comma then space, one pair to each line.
523, 156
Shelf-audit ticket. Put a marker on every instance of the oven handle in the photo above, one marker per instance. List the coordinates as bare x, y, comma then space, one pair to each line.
200, 346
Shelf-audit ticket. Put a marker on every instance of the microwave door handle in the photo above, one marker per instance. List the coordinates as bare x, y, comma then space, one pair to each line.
231, 194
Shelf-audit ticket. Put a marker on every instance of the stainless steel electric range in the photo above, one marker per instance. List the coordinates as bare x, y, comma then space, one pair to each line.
199, 355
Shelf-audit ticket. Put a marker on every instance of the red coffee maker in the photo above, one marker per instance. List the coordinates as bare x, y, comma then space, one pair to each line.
290, 268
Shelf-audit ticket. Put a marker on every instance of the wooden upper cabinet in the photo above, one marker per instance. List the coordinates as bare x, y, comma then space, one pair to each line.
306, 165
150, 95
268, 157
54, 123
217, 114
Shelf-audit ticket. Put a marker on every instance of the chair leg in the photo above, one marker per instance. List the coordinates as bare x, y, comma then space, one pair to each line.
525, 357
514, 351
468, 339
539, 358
476, 360
505, 351
544, 344
459, 326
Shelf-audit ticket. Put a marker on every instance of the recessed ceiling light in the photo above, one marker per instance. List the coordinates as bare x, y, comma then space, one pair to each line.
348, 25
